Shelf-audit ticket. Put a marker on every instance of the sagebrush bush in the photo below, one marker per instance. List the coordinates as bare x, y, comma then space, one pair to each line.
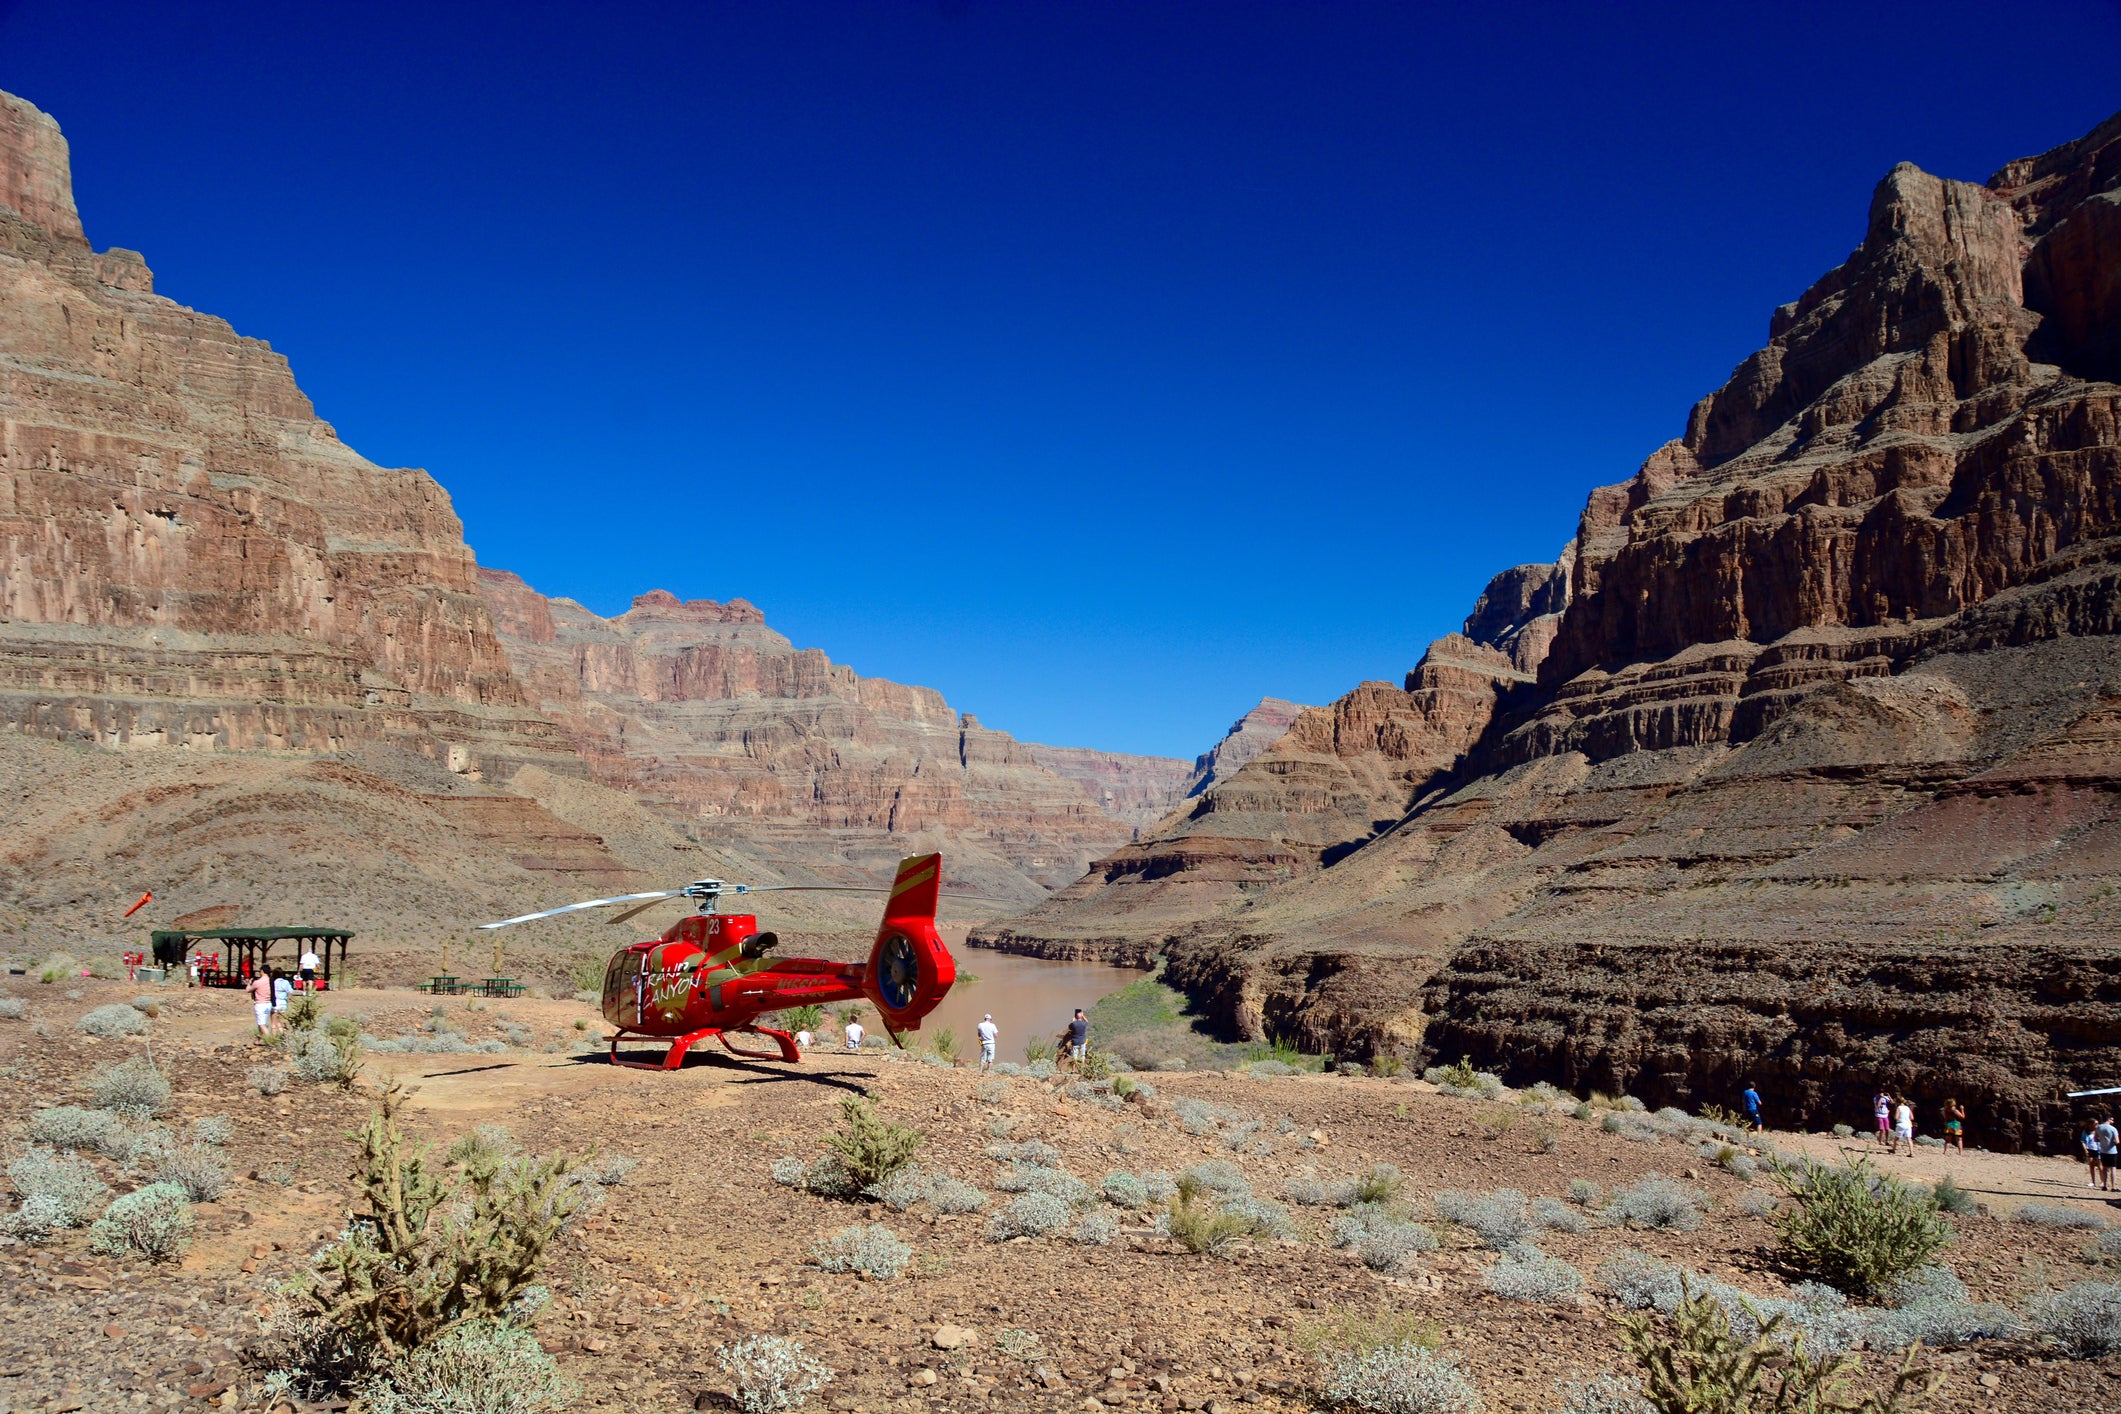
1524, 1273
133, 1088
1585, 1194
40, 1216
771, 1374
1037, 1178
267, 1080
1855, 1228
324, 1059
198, 1169
154, 1221
67, 1179
2058, 1215
2084, 1317
1379, 1183
1951, 1198
1396, 1379
480, 1367
1266, 1217
1382, 1242
1029, 1215
1555, 1214
1097, 1228
867, 1248
216, 1130
1499, 1219
1655, 1201
116, 1019
71, 1127
1124, 1190
869, 1147
910, 1185
1604, 1394
13, 1009
1219, 1176
2107, 1247
954, 1195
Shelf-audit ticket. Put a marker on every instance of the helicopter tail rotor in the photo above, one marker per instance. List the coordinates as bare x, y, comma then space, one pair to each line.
909, 968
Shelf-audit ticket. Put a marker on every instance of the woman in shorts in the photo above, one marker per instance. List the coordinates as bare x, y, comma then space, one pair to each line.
1955, 1125
1882, 1112
1903, 1125
2090, 1145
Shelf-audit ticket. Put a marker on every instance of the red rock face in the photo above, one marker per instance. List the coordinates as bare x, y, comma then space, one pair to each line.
703, 709
1797, 766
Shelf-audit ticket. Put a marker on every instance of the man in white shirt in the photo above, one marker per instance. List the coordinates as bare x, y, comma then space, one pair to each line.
987, 1032
854, 1035
309, 971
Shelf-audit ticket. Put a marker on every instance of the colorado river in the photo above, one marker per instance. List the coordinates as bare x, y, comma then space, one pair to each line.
1031, 998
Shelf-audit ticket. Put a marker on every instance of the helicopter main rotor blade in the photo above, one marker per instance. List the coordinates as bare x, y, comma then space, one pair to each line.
637, 910
591, 903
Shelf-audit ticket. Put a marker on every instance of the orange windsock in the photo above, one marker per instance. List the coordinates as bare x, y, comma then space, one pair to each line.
141, 904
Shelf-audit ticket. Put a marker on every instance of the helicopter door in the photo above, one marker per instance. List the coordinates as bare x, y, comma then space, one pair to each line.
625, 988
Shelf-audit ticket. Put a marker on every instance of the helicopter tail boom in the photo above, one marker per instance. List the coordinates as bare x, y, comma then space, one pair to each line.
909, 968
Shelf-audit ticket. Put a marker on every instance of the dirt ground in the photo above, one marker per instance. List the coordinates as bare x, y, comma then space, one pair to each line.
699, 1246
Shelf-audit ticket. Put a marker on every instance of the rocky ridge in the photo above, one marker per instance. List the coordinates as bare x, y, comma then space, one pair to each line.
1795, 766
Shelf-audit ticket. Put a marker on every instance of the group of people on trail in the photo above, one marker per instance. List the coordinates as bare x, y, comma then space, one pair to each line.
2102, 1153
270, 989
1073, 1040
1894, 1116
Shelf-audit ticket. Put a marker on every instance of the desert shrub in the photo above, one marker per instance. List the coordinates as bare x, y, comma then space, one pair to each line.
1267, 1217
1029, 1215
1396, 1379
1696, 1363
1030, 1151
198, 1169
67, 1179
132, 1088
1757, 1202
1555, 1214
1459, 1073
1097, 1228
1461, 1081
154, 1221
952, 1195
870, 1249
434, 1246
216, 1130
2107, 1247
1310, 1191
1382, 1242
116, 1019
1855, 1228
823, 1175
2058, 1215
1123, 1189
1039, 1069
1199, 1224
910, 1185
303, 1013
2084, 1317
1940, 1322
1219, 1176
1631, 1126
1655, 1202
1630, 1104
1604, 1394
771, 1373
141, 1147
485, 1149
1379, 1183
1524, 1273
267, 1080
870, 1147
1585, 1194
58, 967
1498, 1219
1269, 1067
13, 1009
1037, 1178
1204, 1117
324, 1059
1951, 1198
480, 1367
71, 1127
36, 1220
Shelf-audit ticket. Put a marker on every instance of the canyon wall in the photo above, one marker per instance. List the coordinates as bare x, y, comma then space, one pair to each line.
702, 709
1798, 765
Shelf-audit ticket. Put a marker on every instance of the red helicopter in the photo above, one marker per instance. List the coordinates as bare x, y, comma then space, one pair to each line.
708, 975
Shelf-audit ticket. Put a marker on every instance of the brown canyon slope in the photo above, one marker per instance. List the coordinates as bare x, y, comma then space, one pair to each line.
244, 666
1799, 764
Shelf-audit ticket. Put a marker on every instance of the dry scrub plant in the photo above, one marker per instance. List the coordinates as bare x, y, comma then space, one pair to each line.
1695, 1364
1855, 1228
438, 1246
869, 1147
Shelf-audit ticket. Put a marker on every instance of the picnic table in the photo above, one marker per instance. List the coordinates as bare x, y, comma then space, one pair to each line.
497, 987
443, 986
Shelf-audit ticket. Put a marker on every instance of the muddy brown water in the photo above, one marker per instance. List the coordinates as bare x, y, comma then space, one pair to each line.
1031, 998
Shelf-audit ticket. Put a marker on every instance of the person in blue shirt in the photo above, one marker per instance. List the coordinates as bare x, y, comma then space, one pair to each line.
1752, 1108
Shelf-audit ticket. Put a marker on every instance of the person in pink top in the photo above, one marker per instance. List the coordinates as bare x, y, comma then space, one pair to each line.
261, 1001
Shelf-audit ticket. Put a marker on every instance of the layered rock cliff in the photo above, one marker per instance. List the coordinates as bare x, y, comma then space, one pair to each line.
703, 709
1797, 765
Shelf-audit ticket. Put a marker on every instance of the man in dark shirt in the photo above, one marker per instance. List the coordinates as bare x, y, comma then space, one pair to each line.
1078, 1035
1752, 1107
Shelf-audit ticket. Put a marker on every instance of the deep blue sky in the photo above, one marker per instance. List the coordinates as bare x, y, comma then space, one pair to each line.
1104, 365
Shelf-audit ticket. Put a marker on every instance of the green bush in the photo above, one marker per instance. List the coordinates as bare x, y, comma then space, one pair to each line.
1855, 1228
155, 1221
869, 1147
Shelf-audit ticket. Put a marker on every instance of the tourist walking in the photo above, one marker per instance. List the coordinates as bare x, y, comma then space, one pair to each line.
2089, 1144
1751, 1100
988, 1034
2109, 1151
282, 989
1903, 1125
1955, 1125
1882, 1112
260, 990
1078, 1035
309, 970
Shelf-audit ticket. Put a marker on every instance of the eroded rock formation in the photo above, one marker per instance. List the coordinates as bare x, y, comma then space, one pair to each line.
1798, 765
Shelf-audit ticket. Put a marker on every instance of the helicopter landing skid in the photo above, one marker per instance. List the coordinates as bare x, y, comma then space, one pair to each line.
679, 1045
